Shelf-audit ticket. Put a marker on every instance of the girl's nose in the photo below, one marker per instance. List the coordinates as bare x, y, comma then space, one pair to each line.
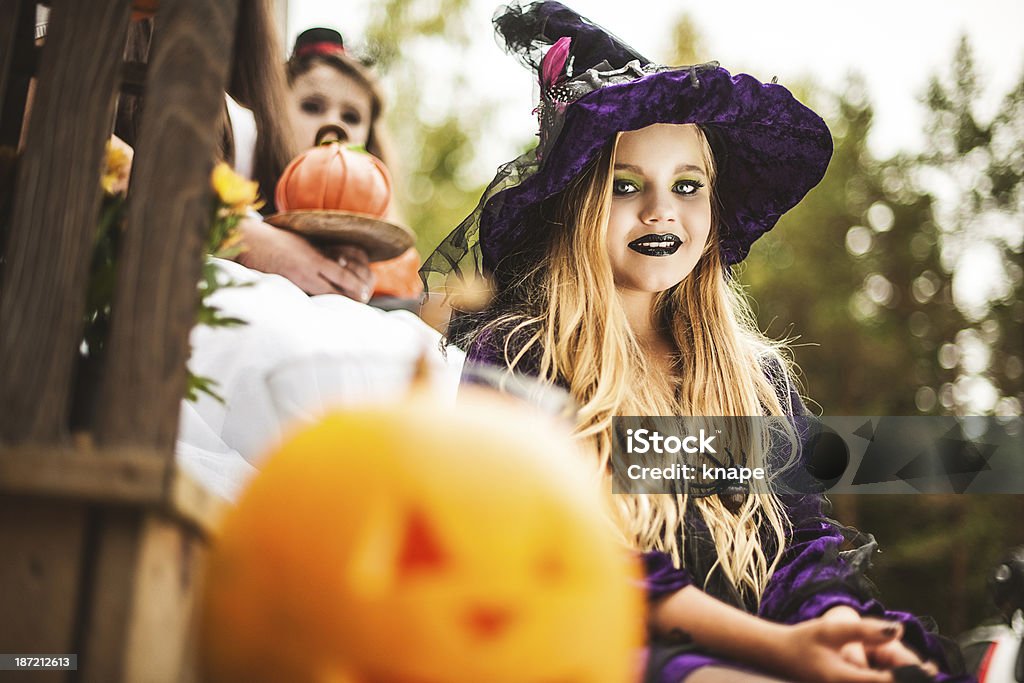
658, 210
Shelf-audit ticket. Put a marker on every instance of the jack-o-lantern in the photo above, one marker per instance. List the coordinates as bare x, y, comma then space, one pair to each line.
335, 177
418, 543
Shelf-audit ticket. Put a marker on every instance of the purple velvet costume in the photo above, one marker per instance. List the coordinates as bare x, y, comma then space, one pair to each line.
812, 577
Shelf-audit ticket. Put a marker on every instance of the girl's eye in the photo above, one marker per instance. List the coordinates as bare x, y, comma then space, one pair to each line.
620, 187
352, 118
312, 107
687, 187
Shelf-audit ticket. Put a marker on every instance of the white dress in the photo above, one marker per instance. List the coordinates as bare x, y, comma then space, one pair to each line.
294, 356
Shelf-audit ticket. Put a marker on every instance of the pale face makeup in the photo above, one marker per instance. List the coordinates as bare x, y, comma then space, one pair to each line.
660, 215
324, 95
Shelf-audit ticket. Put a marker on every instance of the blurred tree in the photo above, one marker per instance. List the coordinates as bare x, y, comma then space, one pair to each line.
419, 44
974, 170
839, 272
686, 46
874, 275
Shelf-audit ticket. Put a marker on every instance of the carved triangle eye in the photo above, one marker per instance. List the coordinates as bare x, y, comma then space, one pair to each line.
422, 550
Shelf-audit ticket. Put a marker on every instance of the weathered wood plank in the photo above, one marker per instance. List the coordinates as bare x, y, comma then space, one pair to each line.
17, 62
42, 294
189, 501
42, 548
166, 597
143, 596
112, 477
109, 597
168, 215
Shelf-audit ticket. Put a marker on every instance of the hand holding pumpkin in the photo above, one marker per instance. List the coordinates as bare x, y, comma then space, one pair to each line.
272, 250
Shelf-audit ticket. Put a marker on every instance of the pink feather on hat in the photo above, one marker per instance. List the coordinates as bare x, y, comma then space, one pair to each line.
552, 67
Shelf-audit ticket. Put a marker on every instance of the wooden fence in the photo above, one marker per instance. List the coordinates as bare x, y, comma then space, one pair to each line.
101, 536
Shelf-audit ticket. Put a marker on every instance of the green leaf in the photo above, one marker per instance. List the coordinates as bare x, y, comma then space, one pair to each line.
198, 384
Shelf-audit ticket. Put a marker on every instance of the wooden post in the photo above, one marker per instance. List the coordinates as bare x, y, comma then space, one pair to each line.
146, 564
103, 562
104, 557
17, 63
156, 300
56, 203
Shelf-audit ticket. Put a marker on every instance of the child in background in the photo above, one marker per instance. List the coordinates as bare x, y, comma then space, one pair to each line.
610, 246
329, 86
257, 140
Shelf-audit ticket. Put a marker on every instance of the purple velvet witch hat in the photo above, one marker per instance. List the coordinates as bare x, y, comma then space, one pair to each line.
769, 149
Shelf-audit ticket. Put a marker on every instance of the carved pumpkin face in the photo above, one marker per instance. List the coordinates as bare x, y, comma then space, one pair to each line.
415, 544
335, 177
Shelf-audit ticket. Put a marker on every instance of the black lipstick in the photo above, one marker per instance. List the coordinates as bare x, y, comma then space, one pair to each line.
656, 245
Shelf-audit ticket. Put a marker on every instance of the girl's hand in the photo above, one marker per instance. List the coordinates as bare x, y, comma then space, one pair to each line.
273, 250
895, 654
814, 650
853, 652
355, 260
886, 656
824, 650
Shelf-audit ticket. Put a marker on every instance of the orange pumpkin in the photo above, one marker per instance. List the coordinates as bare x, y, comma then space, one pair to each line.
335, 177
419, 543
399, 277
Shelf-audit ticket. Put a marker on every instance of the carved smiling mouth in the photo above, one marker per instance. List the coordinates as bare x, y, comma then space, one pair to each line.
656, 245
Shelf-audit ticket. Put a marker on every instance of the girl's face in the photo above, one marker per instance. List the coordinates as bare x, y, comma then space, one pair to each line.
660, 213
326, 95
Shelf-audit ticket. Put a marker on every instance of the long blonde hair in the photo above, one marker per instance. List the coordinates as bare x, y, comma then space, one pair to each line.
568, 321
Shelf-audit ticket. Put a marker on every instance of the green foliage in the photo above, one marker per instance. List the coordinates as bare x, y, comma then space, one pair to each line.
432, 189
437, 198
863, 273
837, 275
220, 242
938, 551
395, 23
686, 44
974, 168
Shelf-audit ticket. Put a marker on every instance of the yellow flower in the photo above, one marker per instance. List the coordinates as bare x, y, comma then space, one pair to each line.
118, 167
235, 191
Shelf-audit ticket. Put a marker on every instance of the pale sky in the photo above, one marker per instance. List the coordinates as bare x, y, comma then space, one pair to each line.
895, 44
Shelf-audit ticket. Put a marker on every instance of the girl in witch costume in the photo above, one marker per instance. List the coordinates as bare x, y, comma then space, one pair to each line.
609, 247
